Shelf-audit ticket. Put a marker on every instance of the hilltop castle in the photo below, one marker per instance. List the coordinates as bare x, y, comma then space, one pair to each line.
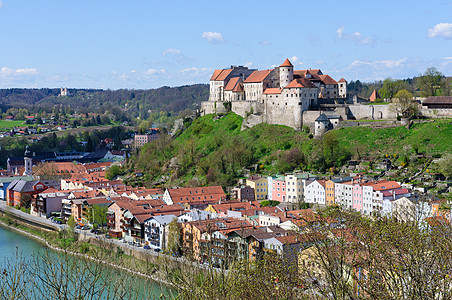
274, 96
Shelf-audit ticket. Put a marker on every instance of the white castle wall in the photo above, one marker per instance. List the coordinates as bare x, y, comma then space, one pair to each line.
373, 112
436, 112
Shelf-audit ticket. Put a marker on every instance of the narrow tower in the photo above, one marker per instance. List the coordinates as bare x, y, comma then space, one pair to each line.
285, 73
28, 162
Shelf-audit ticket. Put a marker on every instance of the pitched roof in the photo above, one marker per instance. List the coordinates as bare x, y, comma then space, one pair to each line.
322, 118
223, 74
342, 80
210, 193
239, 88
438, 100
235, 85
374, 95
326, 79
272, 91
286, 63
257, 76
215, 74
300, 83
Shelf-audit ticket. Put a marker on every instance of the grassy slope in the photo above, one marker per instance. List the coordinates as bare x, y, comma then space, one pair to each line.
221, 146
432, 138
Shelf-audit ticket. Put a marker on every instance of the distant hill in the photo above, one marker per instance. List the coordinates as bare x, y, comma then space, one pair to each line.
137, 102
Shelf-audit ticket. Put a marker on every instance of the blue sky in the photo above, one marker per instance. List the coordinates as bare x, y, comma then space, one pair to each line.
148, 44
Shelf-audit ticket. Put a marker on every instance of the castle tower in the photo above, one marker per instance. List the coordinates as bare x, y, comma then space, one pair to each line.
285, 73
28, 162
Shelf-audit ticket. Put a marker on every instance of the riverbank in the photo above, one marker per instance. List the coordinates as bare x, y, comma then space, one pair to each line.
103, 255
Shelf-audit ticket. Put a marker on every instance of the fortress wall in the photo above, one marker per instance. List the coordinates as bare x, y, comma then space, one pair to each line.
211, 107
285, 113
242, 108
436, 112
374, 112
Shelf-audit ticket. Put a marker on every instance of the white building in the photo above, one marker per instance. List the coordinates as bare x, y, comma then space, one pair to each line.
156, 231
314, 192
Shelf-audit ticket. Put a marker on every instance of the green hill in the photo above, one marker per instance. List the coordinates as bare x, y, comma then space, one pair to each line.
215, 151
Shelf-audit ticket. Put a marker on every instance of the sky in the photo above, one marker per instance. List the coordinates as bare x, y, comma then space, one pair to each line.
143, 44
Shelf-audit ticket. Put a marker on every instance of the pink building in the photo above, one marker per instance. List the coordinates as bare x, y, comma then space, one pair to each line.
279, 189
357, 197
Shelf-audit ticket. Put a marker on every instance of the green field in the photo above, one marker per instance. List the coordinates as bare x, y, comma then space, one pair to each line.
10, 124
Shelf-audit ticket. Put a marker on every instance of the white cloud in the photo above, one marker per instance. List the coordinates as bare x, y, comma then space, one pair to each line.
295, 60
340, 32
138, 76
154, 71
264, 43
23, 77
1, 4
356, 37
248, 64
11, 74
448, 58
213, 37
195, 72
443, 30
171, 51
379, 64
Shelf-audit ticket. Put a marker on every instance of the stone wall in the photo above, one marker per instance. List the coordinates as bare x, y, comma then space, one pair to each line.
372, 112
436, 112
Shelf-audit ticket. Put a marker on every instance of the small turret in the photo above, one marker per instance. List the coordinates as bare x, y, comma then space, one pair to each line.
285, 73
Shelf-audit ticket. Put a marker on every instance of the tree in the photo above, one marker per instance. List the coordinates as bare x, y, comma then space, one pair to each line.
174, 236
431, 82
97, 215
71, 222
404, 105
446, 165
112, 172
390, 88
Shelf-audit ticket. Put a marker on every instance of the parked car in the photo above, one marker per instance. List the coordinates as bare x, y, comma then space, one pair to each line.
146, 247
131, 243
157, 250
124, 241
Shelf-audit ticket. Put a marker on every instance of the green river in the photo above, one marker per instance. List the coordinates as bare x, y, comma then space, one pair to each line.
12, 243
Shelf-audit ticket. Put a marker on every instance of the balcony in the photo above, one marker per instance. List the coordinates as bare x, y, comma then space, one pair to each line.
110, 217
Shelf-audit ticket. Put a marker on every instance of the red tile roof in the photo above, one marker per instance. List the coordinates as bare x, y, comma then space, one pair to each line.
272, 91
223, 75
343, 80
215, 75
257, 76
300, 83
208, 193
286, 63
327, 79
232, 84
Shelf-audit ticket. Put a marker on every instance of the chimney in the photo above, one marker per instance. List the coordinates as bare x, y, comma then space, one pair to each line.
393, 195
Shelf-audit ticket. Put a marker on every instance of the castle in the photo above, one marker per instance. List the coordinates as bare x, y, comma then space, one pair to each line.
273, 96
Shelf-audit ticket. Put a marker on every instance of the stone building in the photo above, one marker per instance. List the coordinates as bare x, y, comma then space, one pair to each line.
275, 96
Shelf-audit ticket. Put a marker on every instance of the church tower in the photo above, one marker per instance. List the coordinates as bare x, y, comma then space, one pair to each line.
28, 162
285, 73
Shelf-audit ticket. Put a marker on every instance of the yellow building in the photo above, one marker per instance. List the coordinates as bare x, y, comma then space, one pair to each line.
259, 184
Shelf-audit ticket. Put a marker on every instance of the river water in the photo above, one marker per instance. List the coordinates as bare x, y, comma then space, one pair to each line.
12, 242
